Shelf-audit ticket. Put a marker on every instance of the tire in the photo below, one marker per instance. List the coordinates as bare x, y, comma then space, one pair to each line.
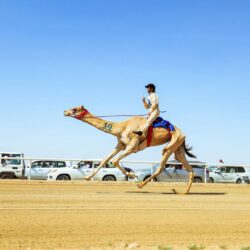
239, 181
8, 176
63, 177
211, 180
146, 177
197, 180
155, 179
109, 178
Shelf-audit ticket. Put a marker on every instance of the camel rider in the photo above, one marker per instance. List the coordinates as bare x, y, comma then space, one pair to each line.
152, 103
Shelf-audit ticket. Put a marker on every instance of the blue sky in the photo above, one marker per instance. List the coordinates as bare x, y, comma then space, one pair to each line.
59, 54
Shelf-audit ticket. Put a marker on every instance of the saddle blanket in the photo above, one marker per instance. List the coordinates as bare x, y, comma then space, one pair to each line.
159, 123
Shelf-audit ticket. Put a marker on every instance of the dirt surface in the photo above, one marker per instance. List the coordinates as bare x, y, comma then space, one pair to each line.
89, 215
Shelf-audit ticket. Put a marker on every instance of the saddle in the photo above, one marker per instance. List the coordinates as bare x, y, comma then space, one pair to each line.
158, 123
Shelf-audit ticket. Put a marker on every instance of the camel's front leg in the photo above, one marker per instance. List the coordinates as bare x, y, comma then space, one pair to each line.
113, 153
131, 148
159, 170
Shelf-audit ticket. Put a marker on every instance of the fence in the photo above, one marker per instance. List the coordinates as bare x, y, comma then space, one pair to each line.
28, 161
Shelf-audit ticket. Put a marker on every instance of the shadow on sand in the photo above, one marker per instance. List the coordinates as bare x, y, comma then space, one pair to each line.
172, 193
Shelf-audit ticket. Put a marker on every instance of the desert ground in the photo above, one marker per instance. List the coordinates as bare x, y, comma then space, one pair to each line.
105, 215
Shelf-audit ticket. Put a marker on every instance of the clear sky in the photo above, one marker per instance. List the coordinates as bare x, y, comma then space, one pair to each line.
58, 54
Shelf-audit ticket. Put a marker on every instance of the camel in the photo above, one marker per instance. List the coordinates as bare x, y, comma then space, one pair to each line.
129, 143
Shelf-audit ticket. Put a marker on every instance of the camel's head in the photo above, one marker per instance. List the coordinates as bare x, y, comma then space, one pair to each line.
77, 112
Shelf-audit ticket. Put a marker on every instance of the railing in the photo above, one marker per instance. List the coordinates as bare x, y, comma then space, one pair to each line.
151, 164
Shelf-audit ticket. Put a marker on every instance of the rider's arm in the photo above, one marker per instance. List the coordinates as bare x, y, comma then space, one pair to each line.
145, 103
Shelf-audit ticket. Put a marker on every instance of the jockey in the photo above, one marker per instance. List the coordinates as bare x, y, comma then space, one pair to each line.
152, 103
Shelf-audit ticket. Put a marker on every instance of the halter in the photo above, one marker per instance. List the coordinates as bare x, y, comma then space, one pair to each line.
82, 114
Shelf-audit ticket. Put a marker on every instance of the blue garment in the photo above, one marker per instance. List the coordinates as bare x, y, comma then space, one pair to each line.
160, 123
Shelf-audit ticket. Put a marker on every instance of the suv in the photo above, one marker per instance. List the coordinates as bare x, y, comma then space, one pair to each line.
229, 174
11, 168
39, 169
175, 173
84, 168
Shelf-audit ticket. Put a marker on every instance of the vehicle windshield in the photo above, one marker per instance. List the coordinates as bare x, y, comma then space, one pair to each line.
11, 161
83, 164
173, 166
90, 164
107, 165
212, 168
43, 164
221, 169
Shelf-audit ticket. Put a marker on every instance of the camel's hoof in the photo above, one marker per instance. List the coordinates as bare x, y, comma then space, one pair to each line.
130, 175
87, 178
140, 185
178, 192
174, 191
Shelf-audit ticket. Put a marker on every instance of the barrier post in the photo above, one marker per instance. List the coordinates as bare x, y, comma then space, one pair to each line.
205, 173
93, 169
152, 171
30, 161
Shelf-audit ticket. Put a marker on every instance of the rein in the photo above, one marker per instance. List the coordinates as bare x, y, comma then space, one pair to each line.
86, 112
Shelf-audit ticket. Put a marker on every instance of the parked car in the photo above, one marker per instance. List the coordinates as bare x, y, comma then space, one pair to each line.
229, 174
174, 173
77, 172
39, 169
11, 168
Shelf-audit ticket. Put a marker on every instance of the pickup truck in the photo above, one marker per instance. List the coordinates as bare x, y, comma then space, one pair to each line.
11, 168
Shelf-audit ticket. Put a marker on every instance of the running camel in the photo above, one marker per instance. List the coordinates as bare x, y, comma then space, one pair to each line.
128, 142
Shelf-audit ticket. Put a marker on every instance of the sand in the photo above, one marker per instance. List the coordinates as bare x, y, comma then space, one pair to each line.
102, 215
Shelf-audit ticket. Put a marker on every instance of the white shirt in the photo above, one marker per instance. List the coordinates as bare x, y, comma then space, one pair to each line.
153, 99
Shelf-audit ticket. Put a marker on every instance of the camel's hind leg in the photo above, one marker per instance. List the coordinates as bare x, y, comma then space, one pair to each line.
167, 154
176, 141
181, 157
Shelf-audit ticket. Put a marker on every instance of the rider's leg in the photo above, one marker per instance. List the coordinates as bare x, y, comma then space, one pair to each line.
149, 122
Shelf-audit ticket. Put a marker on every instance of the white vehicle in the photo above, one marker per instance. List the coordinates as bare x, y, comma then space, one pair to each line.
85, 168
39, 169
175, 172
11, 168
229, 174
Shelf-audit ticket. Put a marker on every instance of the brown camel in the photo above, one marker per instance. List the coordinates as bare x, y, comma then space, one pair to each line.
129, 143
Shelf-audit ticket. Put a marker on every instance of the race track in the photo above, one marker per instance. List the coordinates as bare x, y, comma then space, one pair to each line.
91, 215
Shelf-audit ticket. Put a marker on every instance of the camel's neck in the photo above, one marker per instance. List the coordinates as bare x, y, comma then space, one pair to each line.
106, 126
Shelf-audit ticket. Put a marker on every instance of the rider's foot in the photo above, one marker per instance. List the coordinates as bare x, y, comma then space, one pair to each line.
138, 133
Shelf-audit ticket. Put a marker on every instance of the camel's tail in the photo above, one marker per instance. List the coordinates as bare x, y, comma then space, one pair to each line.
187, 150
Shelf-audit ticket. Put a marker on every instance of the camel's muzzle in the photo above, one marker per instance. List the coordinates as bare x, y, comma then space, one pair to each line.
67, 113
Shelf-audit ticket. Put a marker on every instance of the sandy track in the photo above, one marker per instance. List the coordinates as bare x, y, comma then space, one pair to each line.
79, 215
